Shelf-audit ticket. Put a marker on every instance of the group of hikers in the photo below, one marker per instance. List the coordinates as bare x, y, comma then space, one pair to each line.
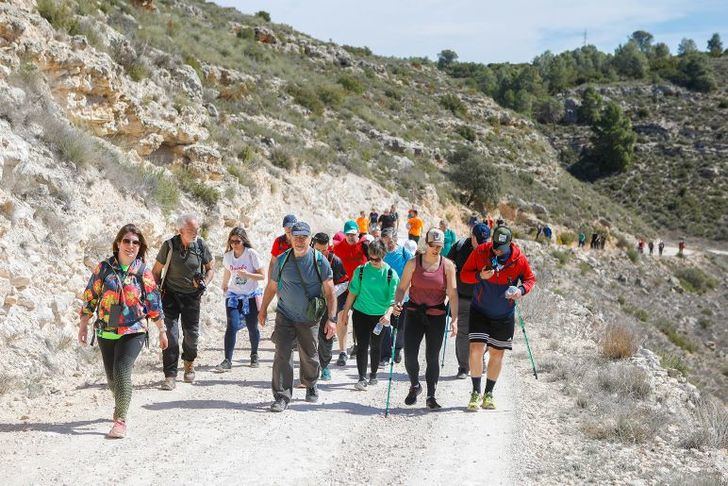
397, 297
660, 247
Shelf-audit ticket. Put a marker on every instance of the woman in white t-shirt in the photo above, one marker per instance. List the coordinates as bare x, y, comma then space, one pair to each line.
240, 282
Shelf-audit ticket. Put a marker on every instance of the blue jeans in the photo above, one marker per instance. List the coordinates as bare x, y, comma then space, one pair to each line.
234, 315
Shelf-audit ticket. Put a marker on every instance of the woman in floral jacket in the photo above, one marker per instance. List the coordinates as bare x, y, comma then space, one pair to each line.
123, 294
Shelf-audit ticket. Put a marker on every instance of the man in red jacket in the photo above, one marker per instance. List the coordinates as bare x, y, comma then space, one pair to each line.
501, 275
352, 251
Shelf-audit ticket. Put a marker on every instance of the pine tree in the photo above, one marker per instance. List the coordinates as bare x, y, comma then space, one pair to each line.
715, 45
591, 106
613, 140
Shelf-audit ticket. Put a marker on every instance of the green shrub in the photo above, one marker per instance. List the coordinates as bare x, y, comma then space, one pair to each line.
675, 362
358, 51
452, 102
282, 158
562, 256
676, 338
394, 94
199, 190
137, 71
468, 133
633, 255
306, 97
695, 280
58, 13
330, 95
566, 238
723, 104
351, 84
263, 15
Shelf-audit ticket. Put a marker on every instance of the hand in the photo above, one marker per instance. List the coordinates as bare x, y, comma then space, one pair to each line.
83, 333
163, 341
397, 309
243, 273
384, 320
330, 330
343, 319
454, 327
262, 316
513, 293
486, 273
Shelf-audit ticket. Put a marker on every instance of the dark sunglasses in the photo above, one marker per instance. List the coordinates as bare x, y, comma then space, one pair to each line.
127, 241
235, 242
432, 245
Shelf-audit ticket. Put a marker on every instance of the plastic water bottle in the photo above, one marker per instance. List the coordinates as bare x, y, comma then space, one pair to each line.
378, 328
511, 291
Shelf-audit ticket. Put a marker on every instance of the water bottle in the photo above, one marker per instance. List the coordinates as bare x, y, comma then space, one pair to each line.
378, 328
511, 291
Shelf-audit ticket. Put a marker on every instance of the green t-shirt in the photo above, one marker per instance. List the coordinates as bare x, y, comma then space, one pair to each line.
373, 295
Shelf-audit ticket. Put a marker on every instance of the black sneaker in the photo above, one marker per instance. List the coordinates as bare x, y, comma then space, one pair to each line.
411, 398
398, 356
342, 359
361, 385
279, 405
254, 360
312, 395
432, 403
373, 379
462, 374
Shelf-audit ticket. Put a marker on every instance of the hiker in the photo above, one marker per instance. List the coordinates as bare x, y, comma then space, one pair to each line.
681, 248
414, 226
450, 237
661, 247
430, 279
320, 242
393, 212
387, 220
651, 246
495, 268
371, 294
641, 246
594, 241
184, 268
373, 216
472, 220
283, 242
122, 292
352, 252
242, 274
459, 255
375, 232
582, 239
539, 230
547, 233
489, 221
301, 280
397, 256
363, 223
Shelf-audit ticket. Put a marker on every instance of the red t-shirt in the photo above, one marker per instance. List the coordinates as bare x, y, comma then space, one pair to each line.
280, 245
351, 255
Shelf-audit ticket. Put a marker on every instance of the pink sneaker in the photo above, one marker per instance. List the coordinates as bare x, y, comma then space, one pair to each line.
118, 430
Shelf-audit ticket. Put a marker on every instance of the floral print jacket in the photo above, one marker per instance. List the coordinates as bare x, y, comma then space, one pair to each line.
104, 294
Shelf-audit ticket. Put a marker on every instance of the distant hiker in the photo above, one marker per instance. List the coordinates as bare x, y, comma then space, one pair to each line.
499, 222
373, 216
681, 248
414, 226
363, 223
284, 242
320, 242
184, 268
450, 237
393, 212
539, 230
495, 268
651, 246
489, 221
352, 252
641, 246
594, 241
661, 247
242, 274
375, 232
301, 280
459, 255
472, 220
548, 233
430, 280
582, 239
397, 256
387, 220
371, 294
123, 294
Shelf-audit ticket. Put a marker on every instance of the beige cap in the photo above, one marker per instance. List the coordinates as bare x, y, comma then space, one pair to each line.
436, 237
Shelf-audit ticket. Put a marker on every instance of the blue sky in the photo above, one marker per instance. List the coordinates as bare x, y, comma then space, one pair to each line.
488, 31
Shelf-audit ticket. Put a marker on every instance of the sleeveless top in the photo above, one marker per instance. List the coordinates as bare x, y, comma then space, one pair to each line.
428, 289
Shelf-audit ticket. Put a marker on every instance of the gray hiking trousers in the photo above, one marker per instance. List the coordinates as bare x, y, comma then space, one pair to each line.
284, 335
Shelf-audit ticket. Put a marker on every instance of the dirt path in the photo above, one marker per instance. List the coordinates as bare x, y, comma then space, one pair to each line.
219, 430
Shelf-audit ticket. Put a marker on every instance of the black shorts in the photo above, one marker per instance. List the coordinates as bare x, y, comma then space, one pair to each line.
496, 333
341, 301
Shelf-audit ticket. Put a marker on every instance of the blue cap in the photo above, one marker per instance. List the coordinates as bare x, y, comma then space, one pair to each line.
289, 221
301, 228
481, 231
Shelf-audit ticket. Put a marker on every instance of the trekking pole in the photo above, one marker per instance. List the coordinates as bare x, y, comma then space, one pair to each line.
525, 337
391, 362
444, 344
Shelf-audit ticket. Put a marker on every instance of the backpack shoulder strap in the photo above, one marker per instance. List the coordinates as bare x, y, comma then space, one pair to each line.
165, 269
389, 276
361, 274
316, 263
282, 259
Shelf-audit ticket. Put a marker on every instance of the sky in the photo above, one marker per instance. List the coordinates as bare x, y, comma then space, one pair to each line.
487, 31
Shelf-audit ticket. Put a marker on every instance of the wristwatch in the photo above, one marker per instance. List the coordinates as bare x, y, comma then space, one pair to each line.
333, 319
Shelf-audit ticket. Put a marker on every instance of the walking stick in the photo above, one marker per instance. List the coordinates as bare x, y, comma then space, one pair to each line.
394, 319
444, 344
525, 337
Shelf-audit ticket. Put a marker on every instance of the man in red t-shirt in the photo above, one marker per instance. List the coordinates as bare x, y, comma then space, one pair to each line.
283, 242
352, 251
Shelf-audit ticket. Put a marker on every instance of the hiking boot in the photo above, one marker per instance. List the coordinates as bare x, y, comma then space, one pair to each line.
254, 360
361, 385
312, 395
223, 367
488, 403
474, 402
279, 405
432, 403
462, 374
169, 383
118, 430
189, 375
414, 391
326, 374
398, 356
373, 380
342, 359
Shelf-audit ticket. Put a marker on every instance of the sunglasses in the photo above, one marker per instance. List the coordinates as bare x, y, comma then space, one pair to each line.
236, 242
433, 245
127, 241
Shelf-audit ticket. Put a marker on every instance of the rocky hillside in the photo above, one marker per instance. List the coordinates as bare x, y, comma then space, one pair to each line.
678, 180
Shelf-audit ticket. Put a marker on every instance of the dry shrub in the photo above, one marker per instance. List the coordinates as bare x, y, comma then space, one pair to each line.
710, 428
620, 341
7, 382
630, 425
624, 380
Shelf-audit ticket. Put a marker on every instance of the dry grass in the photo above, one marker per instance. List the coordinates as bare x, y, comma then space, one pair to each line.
710, 427
7, 382
624, 380
629, 425
620, 341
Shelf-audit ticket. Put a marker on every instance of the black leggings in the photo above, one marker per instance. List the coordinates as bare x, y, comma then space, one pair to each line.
119, 356
363, 326
432, 328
